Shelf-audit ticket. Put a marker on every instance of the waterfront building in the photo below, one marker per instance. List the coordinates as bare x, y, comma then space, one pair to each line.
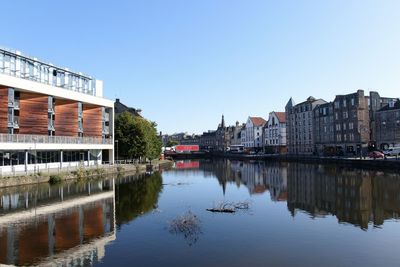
51, 117
351, 123
324, 133
387, 127
253, 133
299, 125
208, 140
235, 133
275, 133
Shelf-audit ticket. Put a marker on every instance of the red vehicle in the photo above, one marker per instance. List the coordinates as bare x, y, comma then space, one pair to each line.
376, 155
187, 148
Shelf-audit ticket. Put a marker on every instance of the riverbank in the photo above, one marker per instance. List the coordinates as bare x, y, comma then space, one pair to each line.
85, 173
385, 164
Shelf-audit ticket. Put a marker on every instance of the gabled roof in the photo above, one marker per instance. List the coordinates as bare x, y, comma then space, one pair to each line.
258, 121
281, 116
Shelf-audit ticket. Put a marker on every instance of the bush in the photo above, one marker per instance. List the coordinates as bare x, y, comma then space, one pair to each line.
55, 179
100, 171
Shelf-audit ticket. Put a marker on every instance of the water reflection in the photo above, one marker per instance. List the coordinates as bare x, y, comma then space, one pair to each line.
70, 224
354, 196
136, 196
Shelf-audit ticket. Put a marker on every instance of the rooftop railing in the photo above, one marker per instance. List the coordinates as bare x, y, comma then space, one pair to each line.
15, 64
44, 139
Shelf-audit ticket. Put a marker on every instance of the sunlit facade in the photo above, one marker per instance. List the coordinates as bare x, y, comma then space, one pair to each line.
51, 117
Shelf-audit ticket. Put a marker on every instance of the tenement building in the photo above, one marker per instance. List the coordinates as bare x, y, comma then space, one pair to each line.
324, 133
387, 125
351, 123
299, 126
51, 117
342, 127
252, 134
275, 133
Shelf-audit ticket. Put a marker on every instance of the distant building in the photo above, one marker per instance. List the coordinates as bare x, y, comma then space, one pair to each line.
351, 123
253, 133
387, 125
275, 133
376, 102
235, 133
120, 108
299, 125
208, 141
324, 134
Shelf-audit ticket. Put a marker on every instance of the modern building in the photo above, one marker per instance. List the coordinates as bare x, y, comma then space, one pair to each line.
252, 134
299, 126
387, 127
275, 133
51, 117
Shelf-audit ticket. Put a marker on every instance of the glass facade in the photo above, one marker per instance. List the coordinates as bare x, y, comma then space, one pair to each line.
15, 64
11, 158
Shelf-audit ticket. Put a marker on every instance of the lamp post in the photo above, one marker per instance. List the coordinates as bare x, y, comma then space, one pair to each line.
116, 141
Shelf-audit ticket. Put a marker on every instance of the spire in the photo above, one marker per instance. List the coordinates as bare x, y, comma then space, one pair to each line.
223, 121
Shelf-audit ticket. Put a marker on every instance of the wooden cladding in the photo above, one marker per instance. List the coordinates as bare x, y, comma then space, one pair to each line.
92, 120
33, 118
3, 109
66, 118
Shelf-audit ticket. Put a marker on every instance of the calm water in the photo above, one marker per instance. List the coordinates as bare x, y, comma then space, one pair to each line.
300, 215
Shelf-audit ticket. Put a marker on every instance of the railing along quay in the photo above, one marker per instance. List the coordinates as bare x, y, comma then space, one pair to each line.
44, 139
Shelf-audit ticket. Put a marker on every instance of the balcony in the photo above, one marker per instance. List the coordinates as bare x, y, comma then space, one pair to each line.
44, 139
14, 103
106, 117
106, 130
13, 121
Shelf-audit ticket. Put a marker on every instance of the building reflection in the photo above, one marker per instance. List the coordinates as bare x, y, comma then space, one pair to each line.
62, 225
355, 196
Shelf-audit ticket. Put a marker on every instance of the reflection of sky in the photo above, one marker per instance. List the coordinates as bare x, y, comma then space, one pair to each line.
265, 236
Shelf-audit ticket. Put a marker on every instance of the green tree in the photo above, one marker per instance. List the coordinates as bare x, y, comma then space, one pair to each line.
137, 137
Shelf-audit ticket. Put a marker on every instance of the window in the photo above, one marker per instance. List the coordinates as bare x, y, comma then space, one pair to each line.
337, 104
345, 115
344, 126
352, 102
351, 126
336, 115
344, 103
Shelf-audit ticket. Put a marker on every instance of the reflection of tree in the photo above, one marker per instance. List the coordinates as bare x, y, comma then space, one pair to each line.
137, 197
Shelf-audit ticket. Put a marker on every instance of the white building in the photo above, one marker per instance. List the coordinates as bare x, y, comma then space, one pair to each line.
275, 133
51, 117
252, 134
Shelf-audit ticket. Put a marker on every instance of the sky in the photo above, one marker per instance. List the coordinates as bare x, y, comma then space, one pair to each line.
185, 63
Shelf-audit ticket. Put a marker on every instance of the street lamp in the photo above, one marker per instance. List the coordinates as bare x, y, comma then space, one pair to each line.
116, 141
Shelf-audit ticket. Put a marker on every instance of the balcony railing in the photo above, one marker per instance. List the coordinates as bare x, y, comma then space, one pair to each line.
13, 121
14, 103
44, 139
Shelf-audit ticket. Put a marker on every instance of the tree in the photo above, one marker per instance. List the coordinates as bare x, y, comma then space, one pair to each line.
137, 137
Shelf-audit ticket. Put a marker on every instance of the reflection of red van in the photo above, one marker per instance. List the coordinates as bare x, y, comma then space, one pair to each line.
186, 148
187, 165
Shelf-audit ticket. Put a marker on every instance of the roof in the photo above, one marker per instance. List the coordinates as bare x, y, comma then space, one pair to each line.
281, 116
395, 106
120, 108
258, 121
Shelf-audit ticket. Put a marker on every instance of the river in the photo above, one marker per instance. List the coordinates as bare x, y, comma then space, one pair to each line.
294, 215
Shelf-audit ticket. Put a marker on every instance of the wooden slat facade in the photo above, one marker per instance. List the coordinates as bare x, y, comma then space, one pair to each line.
92, 120
3, 109
33, 118
66, 118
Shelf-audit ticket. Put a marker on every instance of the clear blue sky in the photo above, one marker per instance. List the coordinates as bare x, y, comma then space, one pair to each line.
187, 62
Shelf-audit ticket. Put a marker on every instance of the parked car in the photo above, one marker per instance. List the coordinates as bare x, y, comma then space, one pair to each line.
393, 151
376, 155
